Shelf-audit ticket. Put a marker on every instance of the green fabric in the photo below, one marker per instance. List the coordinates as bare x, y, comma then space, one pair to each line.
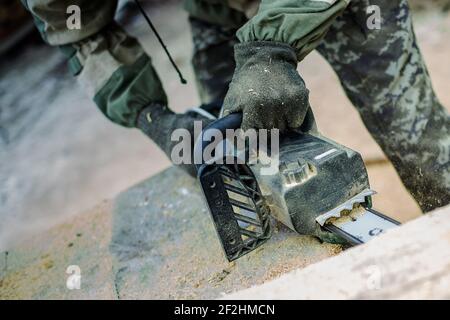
299, 23
111, 65
40, 25
129, 90
215, 11
75, 66
68, 50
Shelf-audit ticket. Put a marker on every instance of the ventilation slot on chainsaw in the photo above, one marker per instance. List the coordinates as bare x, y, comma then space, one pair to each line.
237, 208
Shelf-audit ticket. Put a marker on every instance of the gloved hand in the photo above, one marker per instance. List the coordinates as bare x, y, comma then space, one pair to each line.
266, 87
158, 122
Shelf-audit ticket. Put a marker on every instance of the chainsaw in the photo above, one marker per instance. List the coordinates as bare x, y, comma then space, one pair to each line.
317, 181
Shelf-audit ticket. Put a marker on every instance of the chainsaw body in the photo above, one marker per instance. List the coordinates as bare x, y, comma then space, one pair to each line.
314, 176
317, 181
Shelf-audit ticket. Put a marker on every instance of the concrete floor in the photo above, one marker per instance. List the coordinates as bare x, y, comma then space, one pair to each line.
59, 155
153, 241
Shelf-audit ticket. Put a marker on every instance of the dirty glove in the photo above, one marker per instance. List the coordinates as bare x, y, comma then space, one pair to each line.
158, 122
266, 87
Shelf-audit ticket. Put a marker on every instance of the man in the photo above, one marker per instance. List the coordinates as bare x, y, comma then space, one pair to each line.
381, 70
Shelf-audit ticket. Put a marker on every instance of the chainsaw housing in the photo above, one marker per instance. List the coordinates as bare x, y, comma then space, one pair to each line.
315, 176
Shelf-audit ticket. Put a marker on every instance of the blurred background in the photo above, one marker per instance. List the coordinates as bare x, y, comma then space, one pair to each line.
59, 156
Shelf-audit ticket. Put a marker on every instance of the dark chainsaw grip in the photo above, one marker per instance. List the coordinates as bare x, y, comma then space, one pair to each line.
231, 121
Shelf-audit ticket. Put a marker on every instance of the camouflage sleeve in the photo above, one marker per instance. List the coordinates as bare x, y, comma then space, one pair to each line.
299, 23
112, 67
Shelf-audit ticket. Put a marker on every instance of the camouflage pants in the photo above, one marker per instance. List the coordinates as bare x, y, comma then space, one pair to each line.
213, 59
385, 77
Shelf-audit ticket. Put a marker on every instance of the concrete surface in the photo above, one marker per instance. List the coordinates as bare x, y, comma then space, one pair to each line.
155, 241
59, 156
37, 269
166, 245
411, 262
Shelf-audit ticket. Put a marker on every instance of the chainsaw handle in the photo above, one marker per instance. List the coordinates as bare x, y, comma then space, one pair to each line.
231, 121
218, 182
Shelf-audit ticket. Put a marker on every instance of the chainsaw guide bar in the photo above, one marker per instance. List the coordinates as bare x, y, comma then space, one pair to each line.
361, 225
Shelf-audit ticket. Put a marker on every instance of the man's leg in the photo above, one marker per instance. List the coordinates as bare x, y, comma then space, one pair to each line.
385, 77
213, 59
214, 25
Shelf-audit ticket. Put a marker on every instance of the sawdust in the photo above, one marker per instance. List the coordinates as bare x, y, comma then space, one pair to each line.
420, 5
288, 266
37, 268
299, 263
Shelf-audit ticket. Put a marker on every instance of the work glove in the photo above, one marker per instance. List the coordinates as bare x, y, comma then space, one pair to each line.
266, 87
158, 122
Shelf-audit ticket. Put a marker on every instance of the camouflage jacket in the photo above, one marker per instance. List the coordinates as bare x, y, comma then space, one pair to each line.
299, 23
